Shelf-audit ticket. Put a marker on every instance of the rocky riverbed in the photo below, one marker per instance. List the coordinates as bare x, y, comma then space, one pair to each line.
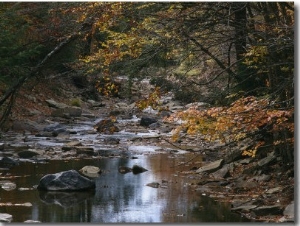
259, 189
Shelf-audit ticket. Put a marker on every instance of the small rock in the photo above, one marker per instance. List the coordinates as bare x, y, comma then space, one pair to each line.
274, 190
111, 140
146, 121
7, 185
153, 185
26, 154
90, 171
32, 221
138, 169
124, 169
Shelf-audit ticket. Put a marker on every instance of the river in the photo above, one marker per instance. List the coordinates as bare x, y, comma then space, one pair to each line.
118, 198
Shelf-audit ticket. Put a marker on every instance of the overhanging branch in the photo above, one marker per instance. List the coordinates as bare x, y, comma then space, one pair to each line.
206, 51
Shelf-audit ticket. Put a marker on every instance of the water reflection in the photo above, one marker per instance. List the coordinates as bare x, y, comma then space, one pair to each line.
65, 199
118, 198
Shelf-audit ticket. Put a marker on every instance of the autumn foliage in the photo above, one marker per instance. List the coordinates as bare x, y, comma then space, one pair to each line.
153, 100
246, 117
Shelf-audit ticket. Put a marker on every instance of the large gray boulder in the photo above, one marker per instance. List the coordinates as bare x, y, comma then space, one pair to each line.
69, 180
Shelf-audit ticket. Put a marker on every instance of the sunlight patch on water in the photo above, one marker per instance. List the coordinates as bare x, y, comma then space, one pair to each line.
142, 148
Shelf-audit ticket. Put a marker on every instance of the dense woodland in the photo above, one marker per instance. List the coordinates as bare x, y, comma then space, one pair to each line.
236, 56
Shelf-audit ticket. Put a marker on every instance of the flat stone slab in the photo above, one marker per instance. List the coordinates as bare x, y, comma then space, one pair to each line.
222, 173
211, 167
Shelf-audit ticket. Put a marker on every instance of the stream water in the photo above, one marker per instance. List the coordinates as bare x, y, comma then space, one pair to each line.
118, 198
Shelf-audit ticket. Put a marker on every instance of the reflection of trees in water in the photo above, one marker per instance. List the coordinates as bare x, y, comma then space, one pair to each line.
122, 197
183, 204
55, 213
116, 192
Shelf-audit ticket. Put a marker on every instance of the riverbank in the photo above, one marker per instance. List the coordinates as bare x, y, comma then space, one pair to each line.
260, 189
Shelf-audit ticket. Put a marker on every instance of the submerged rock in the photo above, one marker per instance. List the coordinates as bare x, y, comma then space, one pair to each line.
69, 180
